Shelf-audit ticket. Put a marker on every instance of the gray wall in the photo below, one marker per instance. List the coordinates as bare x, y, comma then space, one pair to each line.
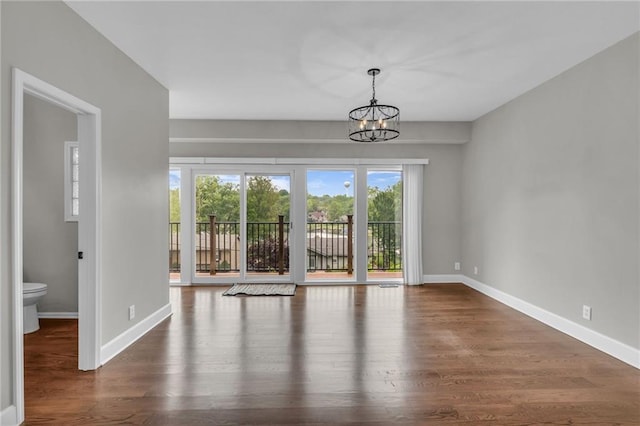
50, 41
50, 243
442, 184
550, 195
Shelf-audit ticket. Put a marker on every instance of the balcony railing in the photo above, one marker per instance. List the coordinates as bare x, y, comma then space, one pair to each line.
329, 247
385, 246
174, 247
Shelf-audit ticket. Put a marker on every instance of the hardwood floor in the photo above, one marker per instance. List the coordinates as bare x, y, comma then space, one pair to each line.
437, 354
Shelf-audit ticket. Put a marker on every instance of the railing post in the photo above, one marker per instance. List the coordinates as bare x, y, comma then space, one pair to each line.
280, 245
212, 244
350, 244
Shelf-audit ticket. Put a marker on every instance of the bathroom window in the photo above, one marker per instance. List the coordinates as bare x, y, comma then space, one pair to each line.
71, 182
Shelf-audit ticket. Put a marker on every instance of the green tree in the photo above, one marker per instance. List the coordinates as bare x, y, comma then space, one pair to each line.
216, 198
284, 204
386, 206
335, 207
174, 205
313, 204
338, 207
262, 200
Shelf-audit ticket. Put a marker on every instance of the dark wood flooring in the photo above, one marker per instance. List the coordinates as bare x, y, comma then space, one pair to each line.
437, 354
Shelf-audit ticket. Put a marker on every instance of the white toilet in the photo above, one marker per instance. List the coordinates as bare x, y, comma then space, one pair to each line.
32, 293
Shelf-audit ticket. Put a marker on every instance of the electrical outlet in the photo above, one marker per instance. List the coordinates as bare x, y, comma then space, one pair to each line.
586, 312
456, 266
475, 270
132, 312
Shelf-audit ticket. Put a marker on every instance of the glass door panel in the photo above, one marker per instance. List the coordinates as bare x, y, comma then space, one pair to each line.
268, 205
384, 224
174, 225
217, 225
330, 233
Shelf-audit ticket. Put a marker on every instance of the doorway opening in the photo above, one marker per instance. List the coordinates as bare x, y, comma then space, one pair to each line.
89, 238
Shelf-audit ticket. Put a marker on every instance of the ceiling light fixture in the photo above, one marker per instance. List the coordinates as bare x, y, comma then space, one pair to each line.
373, 122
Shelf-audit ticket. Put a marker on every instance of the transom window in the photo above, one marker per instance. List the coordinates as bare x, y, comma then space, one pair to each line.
71, 182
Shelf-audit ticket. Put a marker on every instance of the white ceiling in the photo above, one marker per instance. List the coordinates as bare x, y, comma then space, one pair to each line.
304, 60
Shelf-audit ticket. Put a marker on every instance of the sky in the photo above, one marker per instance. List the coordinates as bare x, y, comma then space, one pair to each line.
319, 182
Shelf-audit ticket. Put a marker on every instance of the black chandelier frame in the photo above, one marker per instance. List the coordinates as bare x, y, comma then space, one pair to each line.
374, 122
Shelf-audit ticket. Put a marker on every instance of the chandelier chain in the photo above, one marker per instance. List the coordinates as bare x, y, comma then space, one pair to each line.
373, 86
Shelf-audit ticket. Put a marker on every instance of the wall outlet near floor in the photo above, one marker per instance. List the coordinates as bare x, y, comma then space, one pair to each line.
475, 270
586, 312
132, 312
456, 266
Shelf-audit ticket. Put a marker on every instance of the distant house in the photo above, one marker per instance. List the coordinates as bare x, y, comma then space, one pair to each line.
227, 251
318, 217
327, 251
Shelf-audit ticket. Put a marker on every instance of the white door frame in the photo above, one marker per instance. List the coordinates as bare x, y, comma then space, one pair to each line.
298, 167
89, 225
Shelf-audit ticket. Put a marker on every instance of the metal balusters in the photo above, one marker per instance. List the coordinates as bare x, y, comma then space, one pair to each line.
268, 244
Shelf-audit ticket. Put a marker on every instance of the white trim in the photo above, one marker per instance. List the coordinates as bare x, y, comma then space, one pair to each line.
195, 166
128, 337
89, 235
90, 241
344, 141
187, 224
58, 315
610, 346
185, 160
298, 161
360, 225
347, 283
8, 416
443, 279
17, 103
606, 344
69, 146
179, 284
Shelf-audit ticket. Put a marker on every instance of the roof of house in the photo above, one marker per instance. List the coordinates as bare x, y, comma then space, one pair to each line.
328, 246
223, 241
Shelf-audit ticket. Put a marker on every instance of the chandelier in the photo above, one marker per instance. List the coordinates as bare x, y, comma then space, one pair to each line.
374, 122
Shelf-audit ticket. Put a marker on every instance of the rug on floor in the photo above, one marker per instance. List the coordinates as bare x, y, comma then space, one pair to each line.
261, 290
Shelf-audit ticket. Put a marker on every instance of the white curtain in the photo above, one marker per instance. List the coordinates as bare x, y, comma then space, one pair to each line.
412, 175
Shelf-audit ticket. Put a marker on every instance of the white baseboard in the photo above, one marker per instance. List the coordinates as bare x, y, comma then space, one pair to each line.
442, 279
58, 315
124, 340
606, 344
9, 416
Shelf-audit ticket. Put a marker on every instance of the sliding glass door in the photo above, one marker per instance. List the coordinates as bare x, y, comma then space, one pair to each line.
268, 202
384, 224
330, 233
217, 238
241, 226
258, 224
